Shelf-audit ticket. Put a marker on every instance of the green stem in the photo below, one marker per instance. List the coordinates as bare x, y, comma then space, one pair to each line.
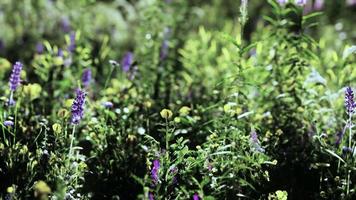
108, 78
71, 142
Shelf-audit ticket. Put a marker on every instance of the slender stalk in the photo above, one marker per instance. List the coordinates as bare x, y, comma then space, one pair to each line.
108, 78
71, 143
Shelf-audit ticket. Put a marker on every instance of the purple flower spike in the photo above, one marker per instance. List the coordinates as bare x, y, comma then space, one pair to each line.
301, 2
71, 46
196, 196
39, 48
127, 61
8, 123
150, 196
65, 25
78, 107
154, 171
349, 101
86, 77
15, 78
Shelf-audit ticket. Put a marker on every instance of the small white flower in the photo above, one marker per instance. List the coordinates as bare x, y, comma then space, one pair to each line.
141, 131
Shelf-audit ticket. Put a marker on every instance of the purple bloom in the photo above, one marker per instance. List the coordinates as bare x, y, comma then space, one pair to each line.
196, 196
351, 2
60, 53
349, 101
282, 1
86, 77
78, 107
15, 78
8, 123
108, 104
319, 4
127, 61
255, 143
39, 48
71, 46
155, 171
346, 150
301, 2
150, 196
65, 25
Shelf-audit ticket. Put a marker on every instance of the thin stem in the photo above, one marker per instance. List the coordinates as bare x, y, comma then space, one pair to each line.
108, 78
71, 142
167, 140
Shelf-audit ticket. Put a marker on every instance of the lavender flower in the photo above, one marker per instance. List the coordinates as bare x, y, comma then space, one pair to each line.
351, 2
155, 171
60, 53
150, 196
196, 196
349, 101
86, 77
15, 76
282, 2
8, 123
127, 61
39, 48
71, 46
301, 2
108, 104
255, 143
78, 107
346, 150
65, 25
319, 4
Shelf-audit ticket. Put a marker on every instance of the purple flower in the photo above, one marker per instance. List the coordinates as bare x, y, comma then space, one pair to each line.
155, 171
86, 77
60, 53
108, 104
71, 46
8, 123
301, 2
255, 143
349, 101
196, 196
150, 196
282, 1
15, 78
319, 4
351, 2
65, 25
346, 150
127, 61
39, 48
78, 107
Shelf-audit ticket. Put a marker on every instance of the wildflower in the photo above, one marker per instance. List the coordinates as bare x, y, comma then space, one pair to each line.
349, 101
196, 196
319, 4
8, 123
301, 2
39, 48
351, 2
166, 113
155, 171
71, 46
108, 104
127, 61
282, 1
60, 53
41, 189
15, 76
346, 150
255, 143
65, 25
150, 196
78, 107
184, 110
86, 77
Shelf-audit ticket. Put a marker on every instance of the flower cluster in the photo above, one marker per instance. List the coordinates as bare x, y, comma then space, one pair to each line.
15, 76
78, 107
127, 61
154, 171
349, 100
86, 77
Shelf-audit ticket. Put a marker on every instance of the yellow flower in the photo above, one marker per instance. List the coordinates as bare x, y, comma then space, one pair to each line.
57, 128
183, 111
41, 189
10, 189
166, 113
